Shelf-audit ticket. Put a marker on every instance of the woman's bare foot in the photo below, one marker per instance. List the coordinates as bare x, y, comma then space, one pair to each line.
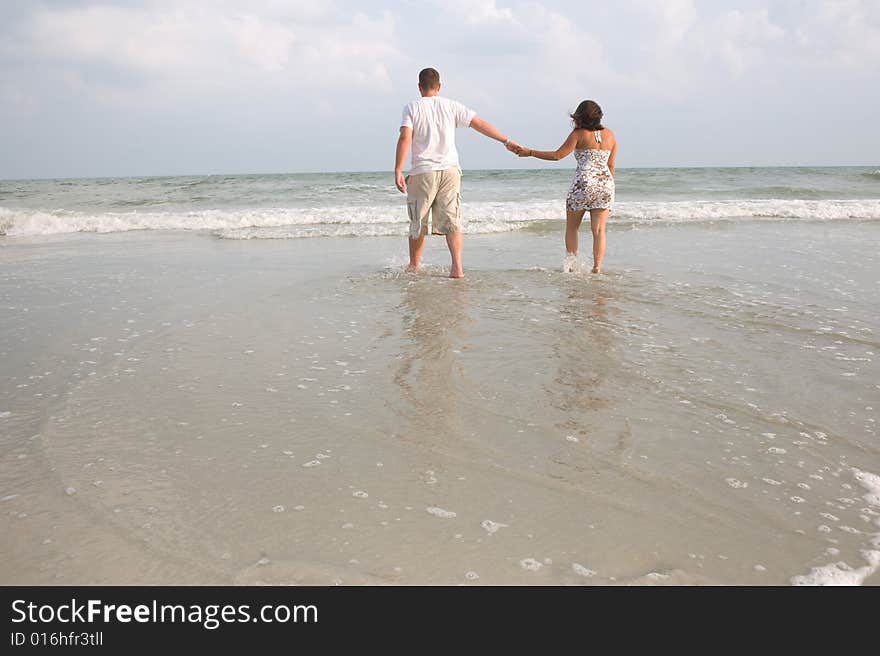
413, 268
456, 272
596, 269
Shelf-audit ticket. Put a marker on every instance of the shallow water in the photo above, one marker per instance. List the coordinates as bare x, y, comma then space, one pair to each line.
182, 409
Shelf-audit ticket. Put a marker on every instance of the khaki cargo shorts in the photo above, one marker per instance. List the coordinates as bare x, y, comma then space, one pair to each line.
437, 193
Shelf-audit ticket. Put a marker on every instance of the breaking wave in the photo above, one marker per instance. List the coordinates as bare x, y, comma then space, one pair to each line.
480, 217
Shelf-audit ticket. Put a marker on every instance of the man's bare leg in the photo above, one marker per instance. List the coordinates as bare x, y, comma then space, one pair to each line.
455, 240
597, 225
415, 254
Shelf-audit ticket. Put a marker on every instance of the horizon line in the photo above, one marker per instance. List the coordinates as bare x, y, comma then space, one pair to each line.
390, 172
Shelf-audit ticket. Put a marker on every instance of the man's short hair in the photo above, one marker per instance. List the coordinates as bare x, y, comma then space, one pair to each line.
429, 78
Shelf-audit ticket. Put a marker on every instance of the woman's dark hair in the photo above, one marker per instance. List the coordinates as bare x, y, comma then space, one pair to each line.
588, 116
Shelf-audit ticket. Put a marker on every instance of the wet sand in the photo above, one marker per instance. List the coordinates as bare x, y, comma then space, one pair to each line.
182, 409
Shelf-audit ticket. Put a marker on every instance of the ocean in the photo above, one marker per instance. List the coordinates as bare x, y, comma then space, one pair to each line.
365, 204
211, 379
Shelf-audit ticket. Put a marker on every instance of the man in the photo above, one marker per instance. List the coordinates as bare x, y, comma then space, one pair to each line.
433, 185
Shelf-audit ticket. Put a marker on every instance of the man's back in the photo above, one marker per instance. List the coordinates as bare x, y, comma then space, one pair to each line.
433, 120
433, 187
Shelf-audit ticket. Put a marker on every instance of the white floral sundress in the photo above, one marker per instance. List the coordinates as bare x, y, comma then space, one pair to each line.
593, 184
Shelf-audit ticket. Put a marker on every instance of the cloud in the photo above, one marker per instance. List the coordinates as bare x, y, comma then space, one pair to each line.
661, 50
740, 40
196, 48
16, 99
507, 53
841, 35
478, 12
672, 19
687, 45
286, 74
684, 48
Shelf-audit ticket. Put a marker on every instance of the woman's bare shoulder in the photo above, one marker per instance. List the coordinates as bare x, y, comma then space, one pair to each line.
580, 136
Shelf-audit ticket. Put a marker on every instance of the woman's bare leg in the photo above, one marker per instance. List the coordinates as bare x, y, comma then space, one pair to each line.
572, 223
597, 225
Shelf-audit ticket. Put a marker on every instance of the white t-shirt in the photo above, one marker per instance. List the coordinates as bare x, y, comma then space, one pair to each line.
433, 121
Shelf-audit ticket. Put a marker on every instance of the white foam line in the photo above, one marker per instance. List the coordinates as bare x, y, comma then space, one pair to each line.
285, 223
840, 573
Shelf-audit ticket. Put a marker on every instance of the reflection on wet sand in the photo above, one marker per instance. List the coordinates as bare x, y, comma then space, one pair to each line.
581, 350
434, 316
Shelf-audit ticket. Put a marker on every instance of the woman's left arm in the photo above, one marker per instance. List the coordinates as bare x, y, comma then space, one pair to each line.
612, 157
552, 155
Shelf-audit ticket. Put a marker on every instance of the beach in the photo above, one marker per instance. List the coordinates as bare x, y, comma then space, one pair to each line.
200, 388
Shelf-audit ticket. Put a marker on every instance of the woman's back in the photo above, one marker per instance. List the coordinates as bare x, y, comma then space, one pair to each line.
594, 139
592, 189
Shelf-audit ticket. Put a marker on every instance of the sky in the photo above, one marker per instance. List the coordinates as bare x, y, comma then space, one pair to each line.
176, 87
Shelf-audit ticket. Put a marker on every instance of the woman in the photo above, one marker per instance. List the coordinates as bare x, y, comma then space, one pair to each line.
595, 149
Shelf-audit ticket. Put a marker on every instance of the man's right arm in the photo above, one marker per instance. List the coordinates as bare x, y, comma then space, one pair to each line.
487, 129
404, 141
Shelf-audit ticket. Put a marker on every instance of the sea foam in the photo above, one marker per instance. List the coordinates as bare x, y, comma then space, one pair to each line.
386, 220
839, 573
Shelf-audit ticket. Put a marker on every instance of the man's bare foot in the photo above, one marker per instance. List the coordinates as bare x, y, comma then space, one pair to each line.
413, 268
456, 272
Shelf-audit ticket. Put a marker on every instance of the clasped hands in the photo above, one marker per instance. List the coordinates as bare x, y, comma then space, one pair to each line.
516, 149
